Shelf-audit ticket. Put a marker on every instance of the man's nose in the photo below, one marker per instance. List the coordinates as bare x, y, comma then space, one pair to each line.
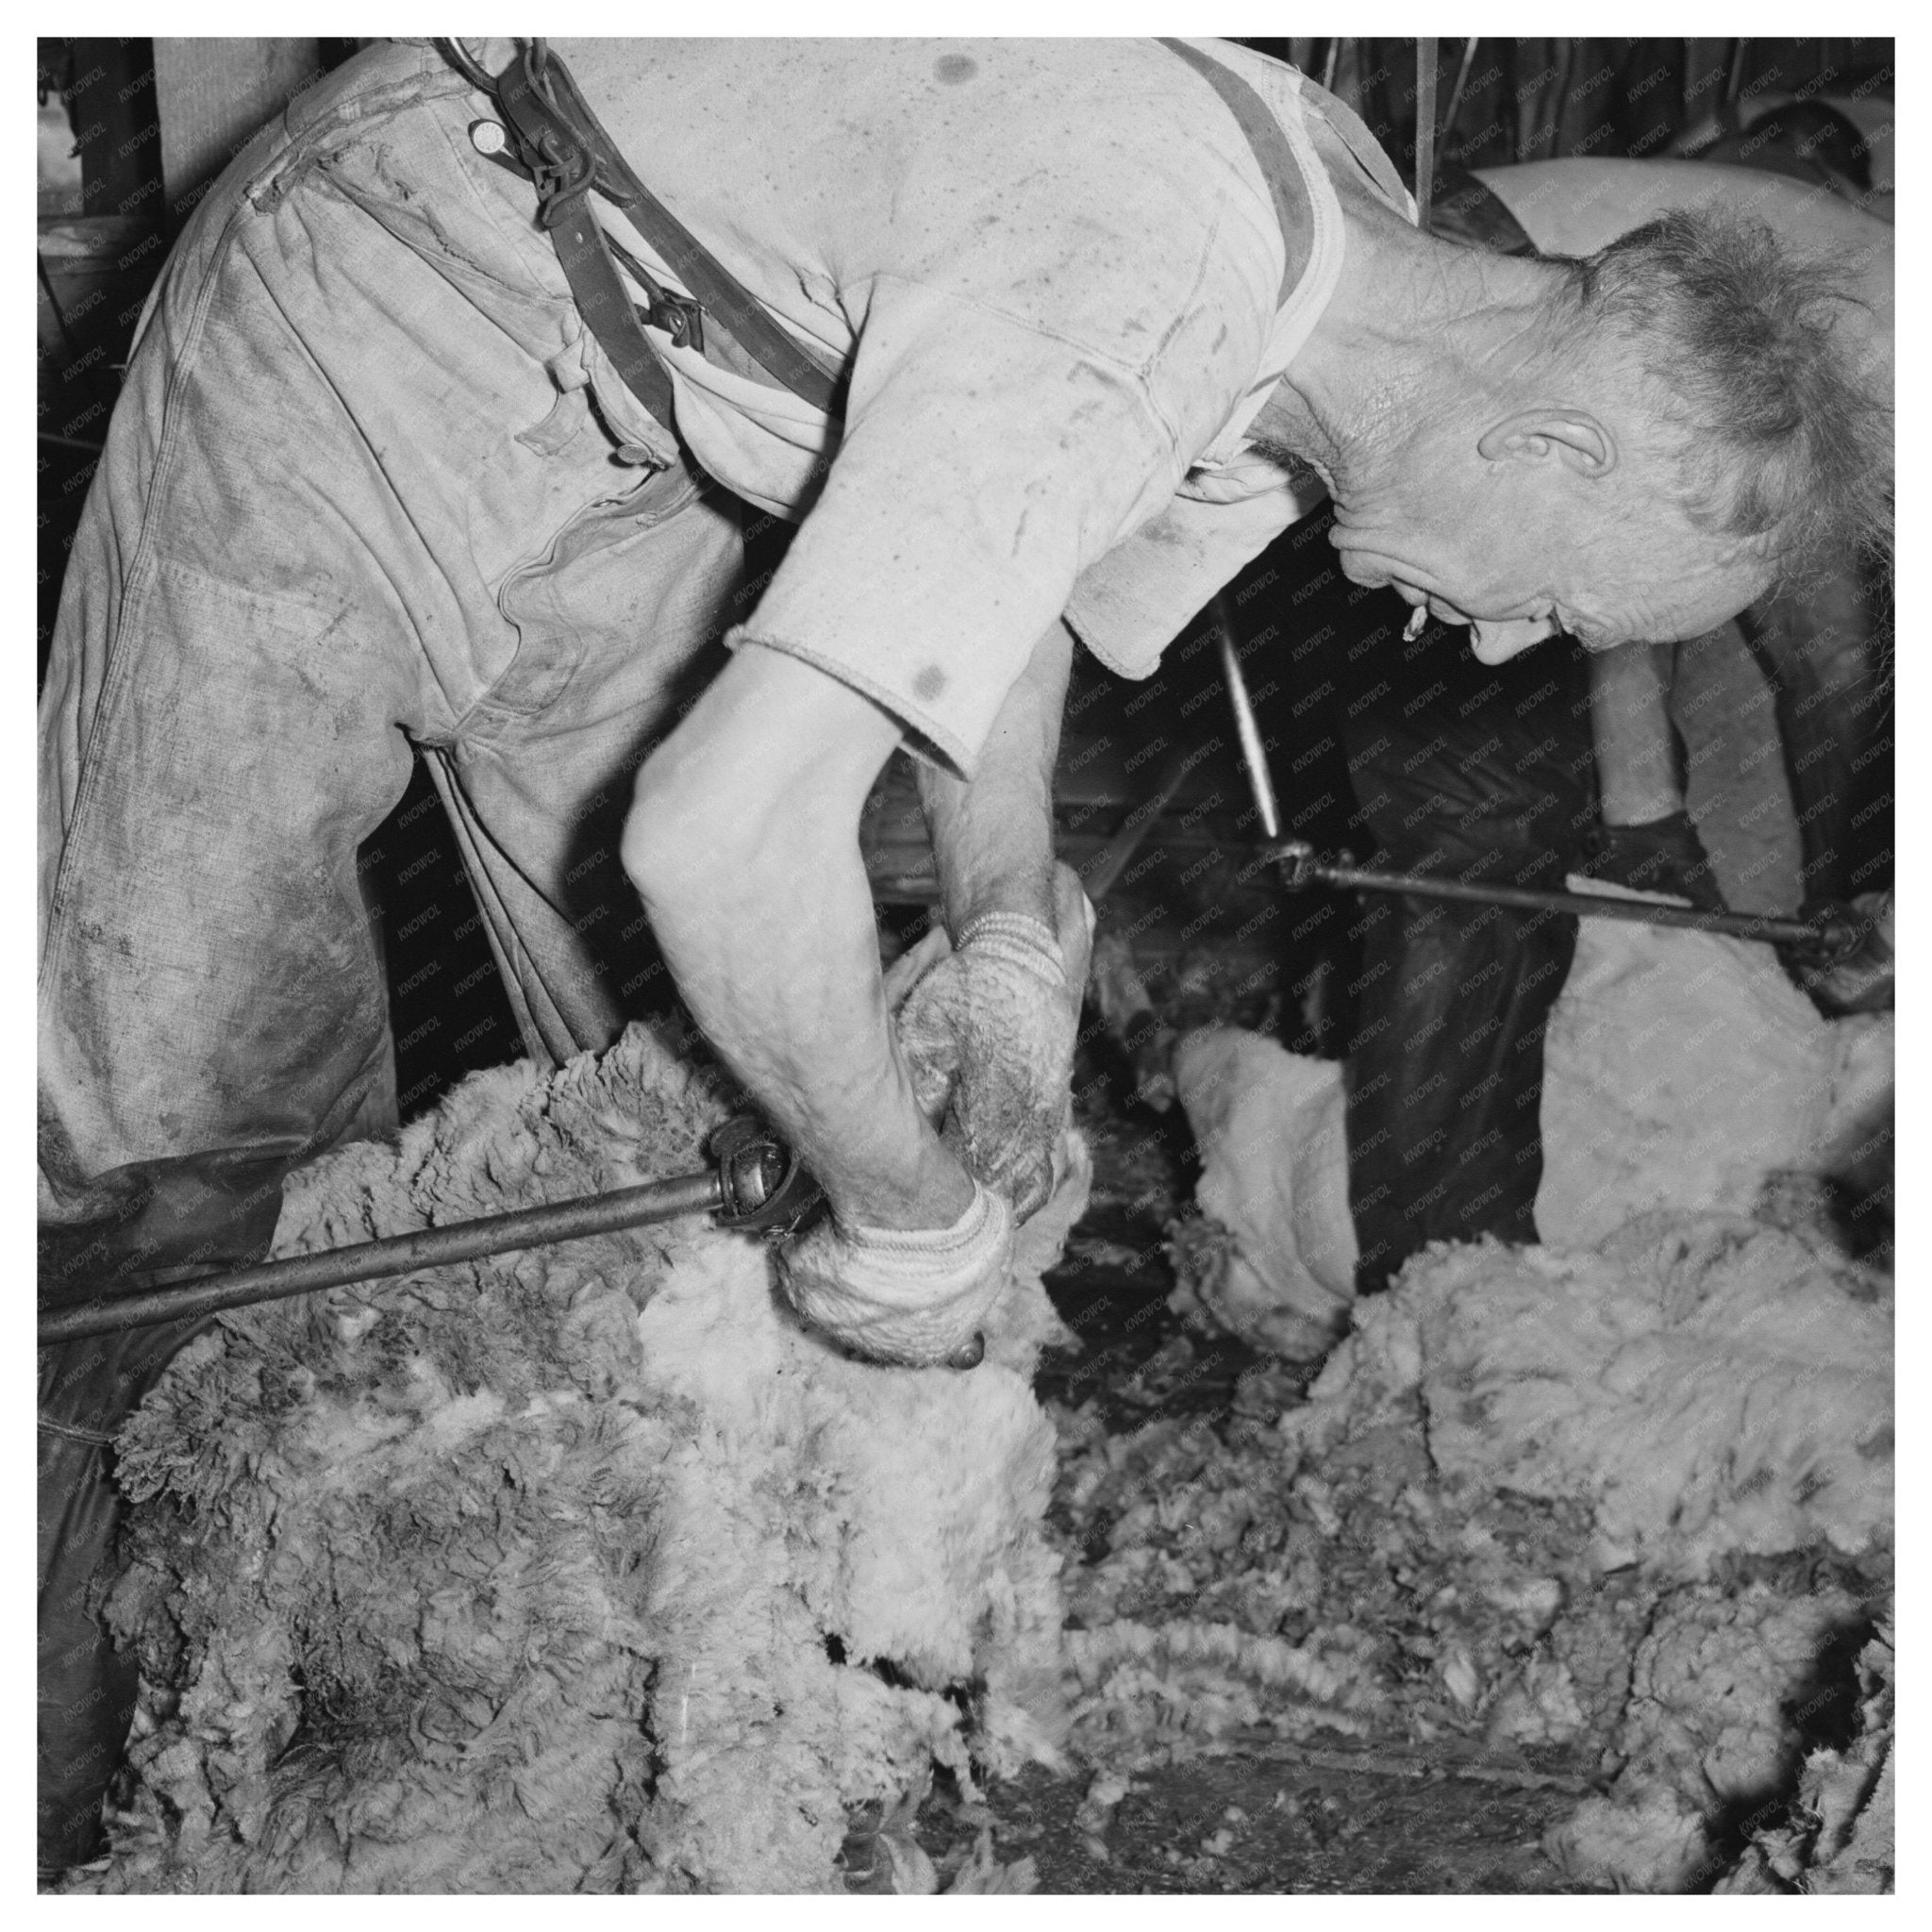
1496, 644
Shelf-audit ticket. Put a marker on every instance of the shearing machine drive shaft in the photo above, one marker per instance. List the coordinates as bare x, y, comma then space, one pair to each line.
754, 1184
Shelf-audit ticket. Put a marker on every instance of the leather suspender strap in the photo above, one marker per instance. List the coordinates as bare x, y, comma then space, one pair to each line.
1294, 209
564, 145
566, 150
606, 305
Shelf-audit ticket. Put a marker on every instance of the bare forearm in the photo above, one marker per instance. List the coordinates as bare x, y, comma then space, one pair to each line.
785, 986
993, 837
757, 895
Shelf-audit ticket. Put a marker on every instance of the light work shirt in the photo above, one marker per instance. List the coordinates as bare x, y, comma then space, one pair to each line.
1061, 280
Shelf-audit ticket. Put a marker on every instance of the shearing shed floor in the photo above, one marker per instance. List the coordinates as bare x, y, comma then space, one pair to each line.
1441, 1783
1568, 1571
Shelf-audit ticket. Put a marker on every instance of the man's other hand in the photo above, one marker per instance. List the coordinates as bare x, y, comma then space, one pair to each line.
909, 1297
987, 1031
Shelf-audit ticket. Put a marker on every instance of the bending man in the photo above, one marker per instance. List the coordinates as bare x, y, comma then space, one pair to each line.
1096, 320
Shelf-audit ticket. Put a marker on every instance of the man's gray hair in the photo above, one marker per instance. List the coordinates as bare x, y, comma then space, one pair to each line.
1781, 442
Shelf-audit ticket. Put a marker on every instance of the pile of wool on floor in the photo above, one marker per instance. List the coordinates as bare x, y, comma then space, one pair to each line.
1617, 1506
1612, 1513
579, 1569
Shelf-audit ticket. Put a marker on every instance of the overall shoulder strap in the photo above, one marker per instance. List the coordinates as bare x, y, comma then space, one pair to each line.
1294, 209
564, 146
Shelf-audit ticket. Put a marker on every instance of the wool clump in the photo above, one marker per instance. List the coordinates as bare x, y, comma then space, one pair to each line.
1840, 1836
584, 1568
1712, 1385
1705, 1735
1270, 1254
1684, 1070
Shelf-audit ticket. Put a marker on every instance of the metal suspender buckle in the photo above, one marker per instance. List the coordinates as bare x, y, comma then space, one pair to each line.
558, 136
553, 141
560, 142
678, 315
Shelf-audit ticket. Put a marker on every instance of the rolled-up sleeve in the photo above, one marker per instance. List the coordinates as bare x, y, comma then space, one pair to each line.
1132, 603
986, 464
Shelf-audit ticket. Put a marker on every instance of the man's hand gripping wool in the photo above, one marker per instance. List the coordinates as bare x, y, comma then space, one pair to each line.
907, 1296
988, 1031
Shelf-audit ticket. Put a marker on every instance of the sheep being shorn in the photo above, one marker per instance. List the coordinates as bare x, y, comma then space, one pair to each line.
584, 1568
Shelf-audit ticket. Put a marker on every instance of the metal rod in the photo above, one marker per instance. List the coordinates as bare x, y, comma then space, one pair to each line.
1743, 925
1425, 131
1455, 107
402, 1254
1253, 754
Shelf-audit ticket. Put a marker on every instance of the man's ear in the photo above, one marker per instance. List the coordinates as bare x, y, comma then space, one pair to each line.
1575, 437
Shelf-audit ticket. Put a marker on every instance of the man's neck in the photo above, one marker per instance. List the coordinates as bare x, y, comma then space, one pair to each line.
1415, 328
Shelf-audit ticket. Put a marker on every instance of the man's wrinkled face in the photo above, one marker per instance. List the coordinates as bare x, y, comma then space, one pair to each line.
1518, 564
